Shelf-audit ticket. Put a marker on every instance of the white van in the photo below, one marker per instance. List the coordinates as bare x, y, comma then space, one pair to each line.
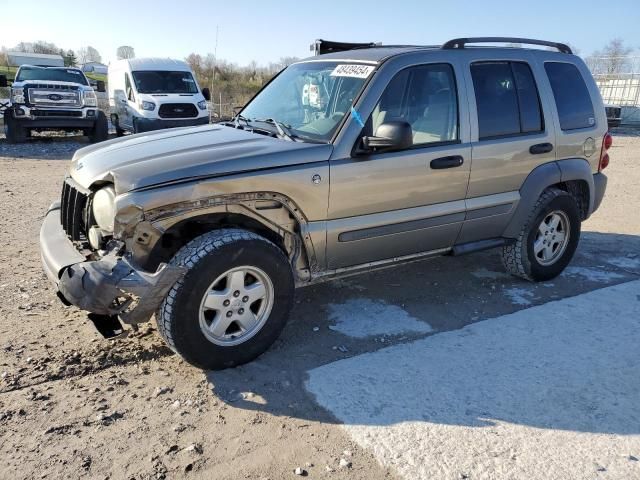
153, 93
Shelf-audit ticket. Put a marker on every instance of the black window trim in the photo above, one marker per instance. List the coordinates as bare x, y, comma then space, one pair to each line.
443, 143
571, 130
543, 131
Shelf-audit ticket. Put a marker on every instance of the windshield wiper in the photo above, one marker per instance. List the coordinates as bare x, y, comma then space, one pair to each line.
238, 118
283, 130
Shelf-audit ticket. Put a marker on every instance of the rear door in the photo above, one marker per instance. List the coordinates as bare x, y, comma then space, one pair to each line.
512, 133
391, 204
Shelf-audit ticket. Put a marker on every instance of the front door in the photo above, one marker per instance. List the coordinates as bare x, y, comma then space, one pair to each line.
385, 205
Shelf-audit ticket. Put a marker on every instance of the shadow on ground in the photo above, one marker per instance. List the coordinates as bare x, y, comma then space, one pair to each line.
449, 294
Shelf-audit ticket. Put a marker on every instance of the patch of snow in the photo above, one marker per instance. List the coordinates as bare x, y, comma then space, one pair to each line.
541, 393
363, 317
592, 274
628, 263
519, 296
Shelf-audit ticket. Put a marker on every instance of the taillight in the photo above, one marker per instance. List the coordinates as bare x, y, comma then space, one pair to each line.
607, 141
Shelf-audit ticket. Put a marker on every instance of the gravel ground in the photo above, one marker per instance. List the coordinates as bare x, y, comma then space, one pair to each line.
73, 405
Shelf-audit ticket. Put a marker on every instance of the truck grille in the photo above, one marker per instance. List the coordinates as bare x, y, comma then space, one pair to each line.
177, 110
72, 211
56, 113
51, 95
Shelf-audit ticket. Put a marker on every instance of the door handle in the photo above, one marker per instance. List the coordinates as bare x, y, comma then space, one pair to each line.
540, 148
446, 162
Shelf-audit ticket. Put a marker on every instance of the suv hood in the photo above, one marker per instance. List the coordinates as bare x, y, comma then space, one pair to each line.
182, 154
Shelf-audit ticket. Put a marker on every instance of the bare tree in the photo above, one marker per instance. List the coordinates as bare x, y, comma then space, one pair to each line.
125, 52
26, 47
45, 47
195, 62
4, 58
612, 59
82, 55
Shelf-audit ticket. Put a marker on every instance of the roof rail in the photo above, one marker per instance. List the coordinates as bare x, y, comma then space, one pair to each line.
461, 42
320, 47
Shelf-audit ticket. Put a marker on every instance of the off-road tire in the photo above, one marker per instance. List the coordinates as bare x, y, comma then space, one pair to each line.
206, 257
14, 133
100, 130
519, 259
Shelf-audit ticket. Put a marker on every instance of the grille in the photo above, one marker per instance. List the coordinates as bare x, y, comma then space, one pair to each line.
177, 110
51, 95
56, 113
72, 211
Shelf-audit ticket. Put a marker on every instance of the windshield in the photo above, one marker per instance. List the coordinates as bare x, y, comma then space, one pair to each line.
56, 74
311, 98
148, 81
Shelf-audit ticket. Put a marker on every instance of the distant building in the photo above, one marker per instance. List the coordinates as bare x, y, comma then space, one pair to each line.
17, 59
94, 67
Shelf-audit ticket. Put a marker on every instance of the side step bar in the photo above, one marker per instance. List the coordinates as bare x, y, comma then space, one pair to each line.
464, 248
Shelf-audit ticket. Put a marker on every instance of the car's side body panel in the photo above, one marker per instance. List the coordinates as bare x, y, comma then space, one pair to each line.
386, 205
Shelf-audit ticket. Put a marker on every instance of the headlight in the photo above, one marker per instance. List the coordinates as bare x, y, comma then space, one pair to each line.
90, 99
17, 95
147, 105
202, 105
104, 208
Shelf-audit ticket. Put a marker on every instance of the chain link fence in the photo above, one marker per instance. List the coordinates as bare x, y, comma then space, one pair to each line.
619, 81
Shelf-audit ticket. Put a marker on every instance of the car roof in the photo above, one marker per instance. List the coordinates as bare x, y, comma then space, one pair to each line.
46, 67
162, 64
381, 53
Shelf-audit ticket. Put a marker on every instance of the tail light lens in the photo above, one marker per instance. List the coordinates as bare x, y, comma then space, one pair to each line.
607, 141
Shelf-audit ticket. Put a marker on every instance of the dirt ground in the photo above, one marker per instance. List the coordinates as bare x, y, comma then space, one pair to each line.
74, 405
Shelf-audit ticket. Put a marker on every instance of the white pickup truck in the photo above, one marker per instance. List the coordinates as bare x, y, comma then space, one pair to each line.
53, 98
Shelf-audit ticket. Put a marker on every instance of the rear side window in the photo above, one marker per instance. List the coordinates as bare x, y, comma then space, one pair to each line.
506, 98
571, 95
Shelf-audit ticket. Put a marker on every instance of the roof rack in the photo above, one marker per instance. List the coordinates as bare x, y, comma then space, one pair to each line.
461, 42
320, 47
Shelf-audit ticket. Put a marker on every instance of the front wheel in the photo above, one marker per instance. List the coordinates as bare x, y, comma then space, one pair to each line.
232, 303
100, 130
13, 131
548, 240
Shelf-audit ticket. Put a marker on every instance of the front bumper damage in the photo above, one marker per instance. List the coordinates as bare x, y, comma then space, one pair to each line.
110, 286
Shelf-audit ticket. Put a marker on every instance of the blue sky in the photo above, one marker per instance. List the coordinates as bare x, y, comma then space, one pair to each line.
264, 31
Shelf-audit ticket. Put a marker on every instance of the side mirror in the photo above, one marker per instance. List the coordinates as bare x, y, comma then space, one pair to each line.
100, 86
206, 93
390, 135
3, 81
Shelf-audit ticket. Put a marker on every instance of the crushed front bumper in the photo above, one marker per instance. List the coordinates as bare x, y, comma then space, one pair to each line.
109, 286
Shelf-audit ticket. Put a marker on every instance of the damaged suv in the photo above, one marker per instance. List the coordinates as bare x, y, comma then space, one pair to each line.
345, 162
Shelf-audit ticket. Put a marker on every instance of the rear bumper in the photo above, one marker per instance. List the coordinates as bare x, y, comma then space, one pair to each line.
599, 187
109, 286
148, 124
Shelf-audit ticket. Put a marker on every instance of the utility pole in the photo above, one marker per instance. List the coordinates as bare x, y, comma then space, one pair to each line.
215, 65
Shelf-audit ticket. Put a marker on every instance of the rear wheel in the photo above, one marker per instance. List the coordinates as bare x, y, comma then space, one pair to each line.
116, 124
232, 303
100, 130
13, 131
548, 240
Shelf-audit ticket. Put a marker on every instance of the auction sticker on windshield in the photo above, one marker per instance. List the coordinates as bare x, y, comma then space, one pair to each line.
358, 71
